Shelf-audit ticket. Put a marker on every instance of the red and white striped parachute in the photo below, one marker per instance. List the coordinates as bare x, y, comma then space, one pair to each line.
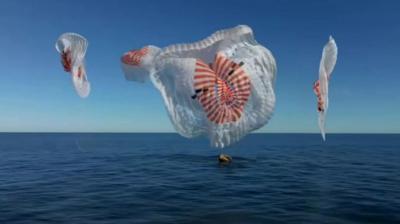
221, 86
72, 48
327, 64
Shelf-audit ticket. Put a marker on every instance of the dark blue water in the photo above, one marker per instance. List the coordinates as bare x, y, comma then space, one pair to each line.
164, 178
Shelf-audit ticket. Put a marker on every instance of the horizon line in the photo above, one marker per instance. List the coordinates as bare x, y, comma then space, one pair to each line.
101, 132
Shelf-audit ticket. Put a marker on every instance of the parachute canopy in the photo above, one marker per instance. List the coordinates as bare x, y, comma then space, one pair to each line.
327, 64
221, 86
72, 48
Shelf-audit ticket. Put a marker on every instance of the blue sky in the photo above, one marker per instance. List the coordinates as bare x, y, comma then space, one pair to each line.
36, 95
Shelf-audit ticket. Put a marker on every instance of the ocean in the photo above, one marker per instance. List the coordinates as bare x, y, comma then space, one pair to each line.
165, 178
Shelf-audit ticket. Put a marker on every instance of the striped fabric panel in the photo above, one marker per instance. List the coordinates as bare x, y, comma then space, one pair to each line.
80, 71
222, 88
134, 57
317, 92
66, 60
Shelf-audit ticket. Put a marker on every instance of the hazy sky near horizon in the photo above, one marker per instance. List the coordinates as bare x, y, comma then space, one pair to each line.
36, 95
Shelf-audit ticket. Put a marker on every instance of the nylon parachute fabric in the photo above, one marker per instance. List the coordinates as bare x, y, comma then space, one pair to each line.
327, 64
221, 86
72, 48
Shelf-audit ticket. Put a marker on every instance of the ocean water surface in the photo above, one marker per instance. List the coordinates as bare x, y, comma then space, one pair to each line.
164, 178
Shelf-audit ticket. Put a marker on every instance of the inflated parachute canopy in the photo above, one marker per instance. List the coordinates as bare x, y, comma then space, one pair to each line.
321, 86
221, 86
72, 48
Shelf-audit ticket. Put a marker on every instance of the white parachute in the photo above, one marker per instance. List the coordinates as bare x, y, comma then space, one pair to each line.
221, 86
72, 48
327, 64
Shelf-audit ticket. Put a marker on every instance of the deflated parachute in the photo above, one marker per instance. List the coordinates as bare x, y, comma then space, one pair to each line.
72, 48
327, 64
221, 86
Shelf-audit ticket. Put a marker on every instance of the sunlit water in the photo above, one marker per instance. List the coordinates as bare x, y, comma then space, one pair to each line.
164, 178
